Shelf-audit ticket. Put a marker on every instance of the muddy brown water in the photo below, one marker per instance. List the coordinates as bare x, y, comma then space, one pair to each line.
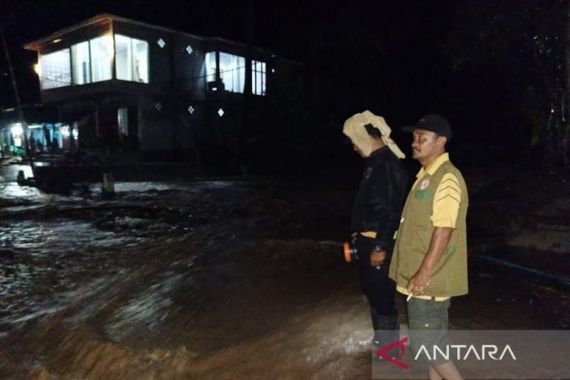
206, 280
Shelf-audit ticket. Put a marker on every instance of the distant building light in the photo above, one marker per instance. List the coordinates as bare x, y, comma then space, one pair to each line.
17, 130
221, 112
161, 43
189, 49
191, 110
65, 131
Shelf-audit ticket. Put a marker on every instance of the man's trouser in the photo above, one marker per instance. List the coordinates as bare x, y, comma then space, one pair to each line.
375, 283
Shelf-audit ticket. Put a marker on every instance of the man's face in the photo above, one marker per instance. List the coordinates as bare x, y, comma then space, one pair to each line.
357, 150
426, 144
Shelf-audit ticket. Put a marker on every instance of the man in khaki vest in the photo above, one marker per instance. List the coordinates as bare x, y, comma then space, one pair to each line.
429, 262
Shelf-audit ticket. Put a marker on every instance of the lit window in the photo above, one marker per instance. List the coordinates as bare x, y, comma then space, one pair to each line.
17, 133
55, 69
65, 131
101, 58
131, 57
258, 75
210, 66
123, 122
232, 71
80, 63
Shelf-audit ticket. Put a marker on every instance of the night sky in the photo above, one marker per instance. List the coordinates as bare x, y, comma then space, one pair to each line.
477, 63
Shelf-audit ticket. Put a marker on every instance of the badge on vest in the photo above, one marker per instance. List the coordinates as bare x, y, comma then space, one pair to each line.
424, 185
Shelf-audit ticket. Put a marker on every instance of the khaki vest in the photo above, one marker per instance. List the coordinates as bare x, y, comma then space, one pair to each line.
449, 277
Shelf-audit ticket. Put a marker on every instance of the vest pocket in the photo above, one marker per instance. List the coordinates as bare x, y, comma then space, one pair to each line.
423, 195
419, 239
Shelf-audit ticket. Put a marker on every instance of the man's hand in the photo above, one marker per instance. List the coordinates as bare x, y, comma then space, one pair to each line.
418, 283
377, 258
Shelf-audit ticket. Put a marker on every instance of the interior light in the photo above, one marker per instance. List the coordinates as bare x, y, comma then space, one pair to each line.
65, 131
108, 41
17, 129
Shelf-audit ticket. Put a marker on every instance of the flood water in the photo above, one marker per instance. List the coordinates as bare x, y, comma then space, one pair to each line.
205, 280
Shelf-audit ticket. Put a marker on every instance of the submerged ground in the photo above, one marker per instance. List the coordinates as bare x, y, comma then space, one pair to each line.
242, 279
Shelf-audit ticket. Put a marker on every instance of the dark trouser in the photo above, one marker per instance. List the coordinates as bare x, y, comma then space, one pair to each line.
375, 284
380, 291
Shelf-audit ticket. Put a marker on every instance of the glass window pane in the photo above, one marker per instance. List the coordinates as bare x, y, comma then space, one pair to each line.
232, 72
123, 122
101, 58
55, 69
81, 64
123, 57
140, 61
210, 66
131, 57
258, 77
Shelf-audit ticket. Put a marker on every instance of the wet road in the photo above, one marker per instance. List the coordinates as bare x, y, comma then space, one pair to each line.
208, 280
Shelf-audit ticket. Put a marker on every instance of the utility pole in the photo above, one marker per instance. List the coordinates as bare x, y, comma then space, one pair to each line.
565, 132
247, 91
19, 110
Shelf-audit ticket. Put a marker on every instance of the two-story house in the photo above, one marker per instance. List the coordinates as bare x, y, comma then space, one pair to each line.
121, 84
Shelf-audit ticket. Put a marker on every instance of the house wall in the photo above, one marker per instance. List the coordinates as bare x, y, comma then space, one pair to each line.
189, 69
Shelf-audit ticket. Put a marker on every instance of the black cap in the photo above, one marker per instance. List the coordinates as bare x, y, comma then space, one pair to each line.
434, 123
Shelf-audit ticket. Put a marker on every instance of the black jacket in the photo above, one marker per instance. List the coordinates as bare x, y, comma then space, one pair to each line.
380, 197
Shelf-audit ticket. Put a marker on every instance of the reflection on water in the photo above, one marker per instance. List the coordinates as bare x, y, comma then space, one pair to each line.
51, 244
42, 261
45, 254
146, 310
11, 191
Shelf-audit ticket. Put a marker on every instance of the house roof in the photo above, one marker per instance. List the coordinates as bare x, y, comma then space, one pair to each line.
98, 19
107, 17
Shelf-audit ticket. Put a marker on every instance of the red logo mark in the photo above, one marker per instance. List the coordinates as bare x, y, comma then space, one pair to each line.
382, 352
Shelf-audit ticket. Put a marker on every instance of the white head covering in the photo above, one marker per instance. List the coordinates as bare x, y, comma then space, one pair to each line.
354, 129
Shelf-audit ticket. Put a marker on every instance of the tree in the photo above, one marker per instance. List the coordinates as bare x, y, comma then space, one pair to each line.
526, 44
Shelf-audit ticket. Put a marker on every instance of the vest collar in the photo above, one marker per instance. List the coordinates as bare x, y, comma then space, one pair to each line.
432, 168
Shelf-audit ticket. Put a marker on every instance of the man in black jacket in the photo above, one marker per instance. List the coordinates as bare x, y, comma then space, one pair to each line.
376, 216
